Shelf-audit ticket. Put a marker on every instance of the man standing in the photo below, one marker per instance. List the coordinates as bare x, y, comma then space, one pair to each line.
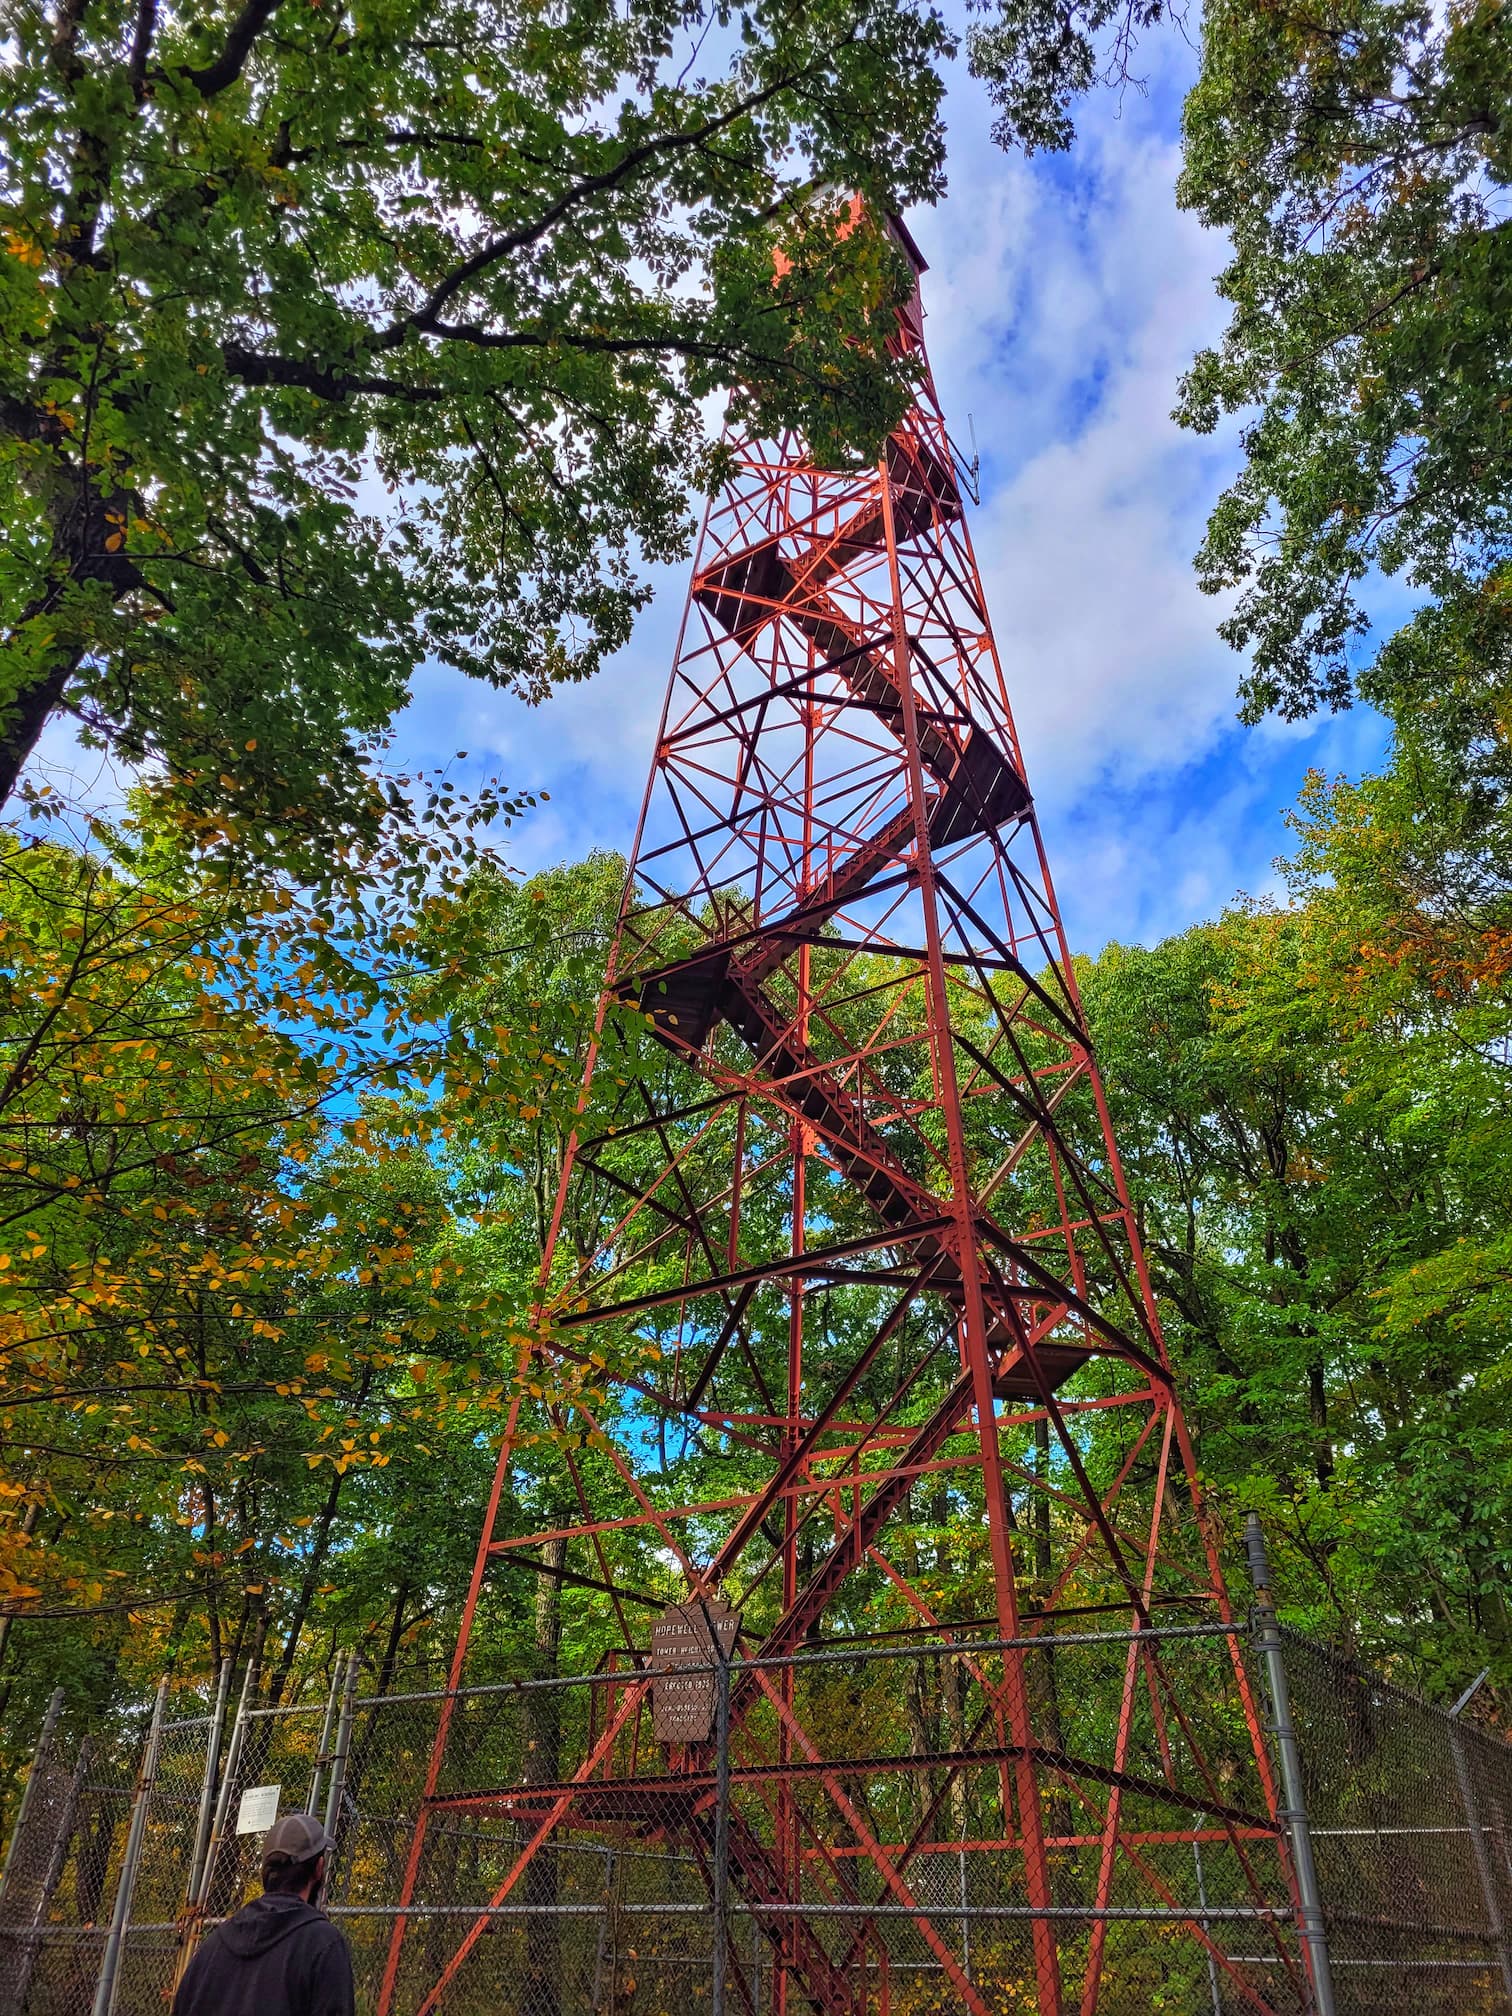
279, 1956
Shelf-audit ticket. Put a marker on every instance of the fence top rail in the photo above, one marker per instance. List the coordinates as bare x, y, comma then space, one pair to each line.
958, 1648
1402, 1696
294, 1708
948, 1911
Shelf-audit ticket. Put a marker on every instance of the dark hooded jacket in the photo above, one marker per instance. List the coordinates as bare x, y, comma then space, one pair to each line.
278, 1956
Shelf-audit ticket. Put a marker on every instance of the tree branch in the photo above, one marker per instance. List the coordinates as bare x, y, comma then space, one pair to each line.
230, 63
141, 45
402, 136
509, 242
254, 368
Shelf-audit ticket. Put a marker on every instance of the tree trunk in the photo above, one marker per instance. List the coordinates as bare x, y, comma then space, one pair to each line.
307, 1590
1317, 1408
391, 1649
212, 1606
27, 716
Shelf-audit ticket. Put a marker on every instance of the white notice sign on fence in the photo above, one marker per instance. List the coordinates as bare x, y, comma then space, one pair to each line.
258, 1809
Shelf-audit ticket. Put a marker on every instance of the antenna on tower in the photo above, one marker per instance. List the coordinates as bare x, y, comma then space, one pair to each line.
969, 468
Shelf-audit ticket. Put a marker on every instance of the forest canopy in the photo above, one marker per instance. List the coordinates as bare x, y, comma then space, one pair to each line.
337, 342
264, 1294
332, 348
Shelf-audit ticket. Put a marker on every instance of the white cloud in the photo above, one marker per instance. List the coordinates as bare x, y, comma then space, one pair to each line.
1094, 498
1064, 298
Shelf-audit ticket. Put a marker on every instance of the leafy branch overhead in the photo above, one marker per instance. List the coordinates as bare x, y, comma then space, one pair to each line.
1038, 57
338, 340
1359, 156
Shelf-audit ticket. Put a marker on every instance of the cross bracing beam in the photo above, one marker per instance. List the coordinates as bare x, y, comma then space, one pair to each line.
872, 1217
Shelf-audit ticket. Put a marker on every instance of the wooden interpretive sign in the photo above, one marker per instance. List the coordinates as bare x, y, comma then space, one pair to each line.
682, 1697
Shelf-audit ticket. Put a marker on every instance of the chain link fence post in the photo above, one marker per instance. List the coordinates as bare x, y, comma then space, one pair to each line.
31, 1791
1205, 1921
1465, 1781
206, 1811
120, 1916
1289, 1757
348, 1678
343, 1748
224, 1796
203, 1876
32, 1862
323, 1749
19, 1988
721, 1823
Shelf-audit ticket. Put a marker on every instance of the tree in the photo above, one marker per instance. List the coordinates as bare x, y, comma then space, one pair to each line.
235, 1288
1038, 56
1358, 154
1312, 1102
335, 341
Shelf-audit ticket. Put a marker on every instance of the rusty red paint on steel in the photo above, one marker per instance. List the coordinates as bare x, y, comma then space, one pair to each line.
872, 1136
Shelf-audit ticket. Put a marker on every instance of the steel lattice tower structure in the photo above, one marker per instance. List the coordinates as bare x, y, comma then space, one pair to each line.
862, 1227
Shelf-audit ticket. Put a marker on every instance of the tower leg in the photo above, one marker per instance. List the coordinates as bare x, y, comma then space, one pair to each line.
848, 1218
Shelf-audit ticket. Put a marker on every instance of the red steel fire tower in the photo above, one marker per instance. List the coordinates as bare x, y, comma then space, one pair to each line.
853, 1218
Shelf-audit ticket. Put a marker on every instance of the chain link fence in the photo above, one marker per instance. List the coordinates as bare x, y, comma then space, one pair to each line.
846, 1830
1410, 1815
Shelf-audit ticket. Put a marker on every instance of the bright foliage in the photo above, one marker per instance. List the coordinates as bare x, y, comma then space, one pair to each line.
334, 340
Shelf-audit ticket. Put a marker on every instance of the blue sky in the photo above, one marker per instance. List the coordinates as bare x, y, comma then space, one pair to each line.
1064, 296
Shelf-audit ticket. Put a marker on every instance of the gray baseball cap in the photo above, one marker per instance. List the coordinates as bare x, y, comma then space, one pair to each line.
300, 1836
